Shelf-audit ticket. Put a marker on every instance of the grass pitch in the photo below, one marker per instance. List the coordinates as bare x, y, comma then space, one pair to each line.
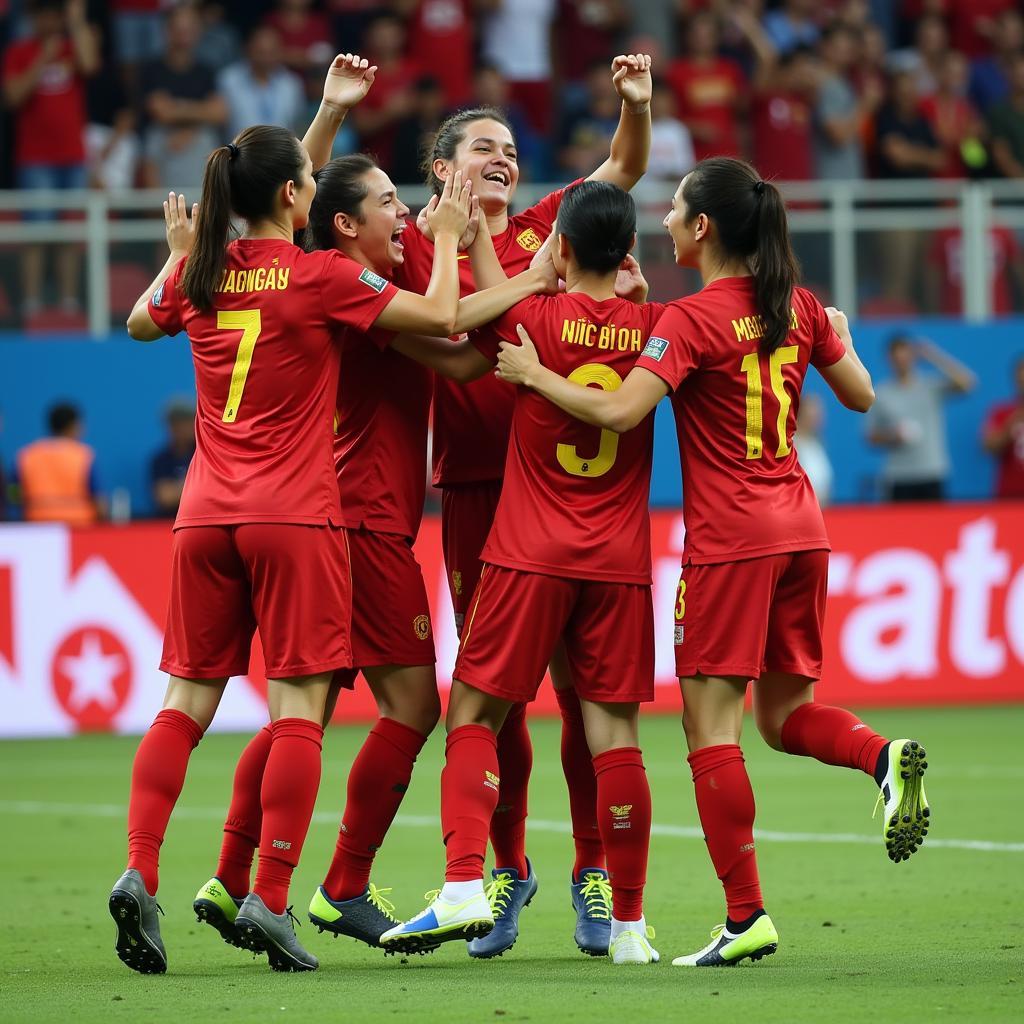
937, 938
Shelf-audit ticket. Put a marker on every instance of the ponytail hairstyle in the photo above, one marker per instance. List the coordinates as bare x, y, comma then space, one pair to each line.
599, 219
451, 135
750, 218
242, 179
340, 188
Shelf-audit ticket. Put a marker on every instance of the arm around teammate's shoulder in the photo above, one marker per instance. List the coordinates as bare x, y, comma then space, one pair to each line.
848, 377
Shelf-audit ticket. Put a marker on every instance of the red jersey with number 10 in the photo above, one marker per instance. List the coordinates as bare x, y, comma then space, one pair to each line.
744, 491
574, 501
266, 362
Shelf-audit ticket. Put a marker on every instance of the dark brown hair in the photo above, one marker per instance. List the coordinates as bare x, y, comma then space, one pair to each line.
451, 134
340, 188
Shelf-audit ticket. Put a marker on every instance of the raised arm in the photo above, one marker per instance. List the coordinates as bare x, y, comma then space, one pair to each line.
348, 80
457, 360
618, 410
848, 378
631, 144
960, 378
482, 307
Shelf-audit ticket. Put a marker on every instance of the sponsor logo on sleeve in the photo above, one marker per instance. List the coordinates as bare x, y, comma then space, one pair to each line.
656, 348
372, 280
158, 295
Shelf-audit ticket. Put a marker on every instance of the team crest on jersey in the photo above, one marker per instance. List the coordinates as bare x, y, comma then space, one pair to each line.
457, 582
158, 295
529, 240
372, 280
421, 627
656, 348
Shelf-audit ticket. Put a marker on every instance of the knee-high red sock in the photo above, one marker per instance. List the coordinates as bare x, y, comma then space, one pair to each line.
515, 762
290, 782
245, 816
578, 767
833, 736
469, 794
624, 798
725, 804
377, 784
158, 774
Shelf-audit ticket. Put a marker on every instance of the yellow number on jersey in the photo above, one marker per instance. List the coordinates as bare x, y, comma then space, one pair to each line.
681, 601
751, 366
568, 457
249, 323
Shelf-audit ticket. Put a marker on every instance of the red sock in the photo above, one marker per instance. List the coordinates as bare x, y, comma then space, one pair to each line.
725, 804
833, 736
290, 782
245, 816
469, 794
578, 768
158, 774
377, 783
515, 762
625, 822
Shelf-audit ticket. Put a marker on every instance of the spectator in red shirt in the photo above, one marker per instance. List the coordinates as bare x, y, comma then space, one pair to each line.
709, 91
783, 118
973, 23
1003, 437
954, 122
442, 27
587, 34
44, 84
305, 34
1004, 265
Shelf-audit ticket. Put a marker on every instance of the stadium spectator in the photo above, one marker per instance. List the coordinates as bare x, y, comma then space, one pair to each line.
587, 132
810, 448
974, 23
516, 38
909, 420
672, 153
220, 43
260, 89
587, 34
442, 27
656, 20
954, 122
416, 132
990, 81
186, 113
44, 84
138, 34
792, 24
1003, 437
709, 90
924, 58
1004, 267
56, 476
782, 117
111, 143
1006, 123
840, 114
305, 34
169, 465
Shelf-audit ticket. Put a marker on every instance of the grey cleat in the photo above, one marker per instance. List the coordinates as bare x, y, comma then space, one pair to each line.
135, 913
259, 929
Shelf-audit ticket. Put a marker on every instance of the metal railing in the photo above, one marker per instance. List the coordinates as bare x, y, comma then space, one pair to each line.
841, 210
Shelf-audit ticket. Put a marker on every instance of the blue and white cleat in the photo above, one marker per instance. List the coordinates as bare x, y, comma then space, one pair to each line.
592, 901
442, 921
507, 895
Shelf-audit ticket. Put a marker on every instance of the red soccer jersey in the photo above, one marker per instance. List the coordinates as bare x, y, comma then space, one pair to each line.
575, 498
946, 252
708, 96
472, 422
445, 26
266, 360
1010, 471
782, 136
380, 444
744, 492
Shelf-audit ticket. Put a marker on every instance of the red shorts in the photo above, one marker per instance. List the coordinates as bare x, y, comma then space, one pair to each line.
751, 617
390, 613
292, 582
517, 618
467, 512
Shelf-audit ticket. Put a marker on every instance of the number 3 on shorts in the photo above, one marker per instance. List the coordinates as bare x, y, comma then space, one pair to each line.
249, 323
608, 447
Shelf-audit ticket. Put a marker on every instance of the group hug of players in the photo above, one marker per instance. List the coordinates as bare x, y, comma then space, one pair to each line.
528, 335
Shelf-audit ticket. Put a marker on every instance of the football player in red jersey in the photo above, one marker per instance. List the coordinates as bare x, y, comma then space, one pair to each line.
568, 557
470, 437
257, 539
380, 456
752, 592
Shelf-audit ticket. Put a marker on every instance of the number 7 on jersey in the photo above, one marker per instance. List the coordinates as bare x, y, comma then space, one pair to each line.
249, 323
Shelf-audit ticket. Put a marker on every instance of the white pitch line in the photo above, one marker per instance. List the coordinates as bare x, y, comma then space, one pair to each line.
37, 807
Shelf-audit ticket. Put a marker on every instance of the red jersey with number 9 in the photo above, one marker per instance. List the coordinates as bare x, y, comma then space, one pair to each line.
266, 360
744, 491
575, 498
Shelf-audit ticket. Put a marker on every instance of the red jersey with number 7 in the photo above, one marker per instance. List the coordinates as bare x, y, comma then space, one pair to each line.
575, 498
744, 492
266, 361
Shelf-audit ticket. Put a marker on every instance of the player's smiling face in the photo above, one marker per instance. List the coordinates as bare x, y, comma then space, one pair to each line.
380, 232
488, 158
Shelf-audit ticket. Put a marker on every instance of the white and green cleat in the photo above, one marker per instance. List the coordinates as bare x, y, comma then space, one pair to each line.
442, 921
726, 949
215, 906
633, 946
907, 815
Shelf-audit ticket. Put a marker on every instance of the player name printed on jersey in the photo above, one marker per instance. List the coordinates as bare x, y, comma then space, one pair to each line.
752, 328
255, 279
603, 337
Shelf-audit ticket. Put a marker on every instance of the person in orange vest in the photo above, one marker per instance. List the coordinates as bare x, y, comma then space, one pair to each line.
57, 474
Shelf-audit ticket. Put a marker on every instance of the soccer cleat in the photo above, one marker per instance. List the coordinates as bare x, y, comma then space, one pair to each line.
260, 929
215, 906
634, 947
592, 901
135, 913
366, 917
441, 922
907, 815
507, 895
725, 949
